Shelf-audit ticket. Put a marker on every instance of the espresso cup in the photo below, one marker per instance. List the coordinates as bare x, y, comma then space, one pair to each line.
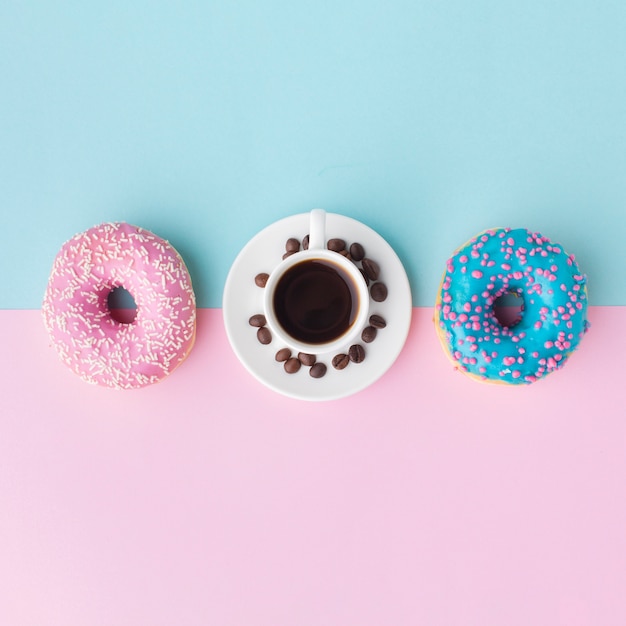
316, 300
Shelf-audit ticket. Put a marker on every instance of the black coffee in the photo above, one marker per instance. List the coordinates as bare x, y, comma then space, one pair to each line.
315, 301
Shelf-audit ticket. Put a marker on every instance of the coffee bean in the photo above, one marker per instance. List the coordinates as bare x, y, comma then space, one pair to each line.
377, 321
318, 370
379, 292
306, 359
287, 254
283, 354
371, 269
292, 365
261, 279
341, 361
292, 245
336, 245
305, 243
257, 320
369, 334
346, 254
367, 280
357, 252
264, 336
356, 353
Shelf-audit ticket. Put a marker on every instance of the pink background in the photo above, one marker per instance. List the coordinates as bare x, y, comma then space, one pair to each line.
208, 499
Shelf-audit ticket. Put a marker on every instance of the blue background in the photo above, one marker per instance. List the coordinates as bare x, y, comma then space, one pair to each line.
204, 122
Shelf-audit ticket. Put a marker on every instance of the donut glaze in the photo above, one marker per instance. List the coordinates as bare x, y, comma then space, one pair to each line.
97, 347
554, 313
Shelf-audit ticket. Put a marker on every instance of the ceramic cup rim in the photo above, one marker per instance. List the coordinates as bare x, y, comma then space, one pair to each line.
346, 266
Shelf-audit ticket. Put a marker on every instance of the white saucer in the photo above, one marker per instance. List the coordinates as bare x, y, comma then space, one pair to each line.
243, 298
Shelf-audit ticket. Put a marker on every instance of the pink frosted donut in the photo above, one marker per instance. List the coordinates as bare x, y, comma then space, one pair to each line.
97, 347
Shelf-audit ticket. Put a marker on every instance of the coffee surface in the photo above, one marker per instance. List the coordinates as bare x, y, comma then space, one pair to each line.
315, 301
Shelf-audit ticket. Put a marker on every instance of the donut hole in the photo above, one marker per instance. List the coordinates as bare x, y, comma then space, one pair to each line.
122, 305
508, 308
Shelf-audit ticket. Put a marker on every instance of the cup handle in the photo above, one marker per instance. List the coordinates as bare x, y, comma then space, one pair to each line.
317, 230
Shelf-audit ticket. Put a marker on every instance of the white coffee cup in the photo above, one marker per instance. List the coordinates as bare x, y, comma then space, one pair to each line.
316, 301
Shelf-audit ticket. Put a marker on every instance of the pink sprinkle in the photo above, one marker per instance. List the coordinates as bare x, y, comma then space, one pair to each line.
467, 307
463, 259
516, 373
548, 344
508, 360
477, 274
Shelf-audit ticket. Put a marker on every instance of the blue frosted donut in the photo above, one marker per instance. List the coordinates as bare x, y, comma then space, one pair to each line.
554, 311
